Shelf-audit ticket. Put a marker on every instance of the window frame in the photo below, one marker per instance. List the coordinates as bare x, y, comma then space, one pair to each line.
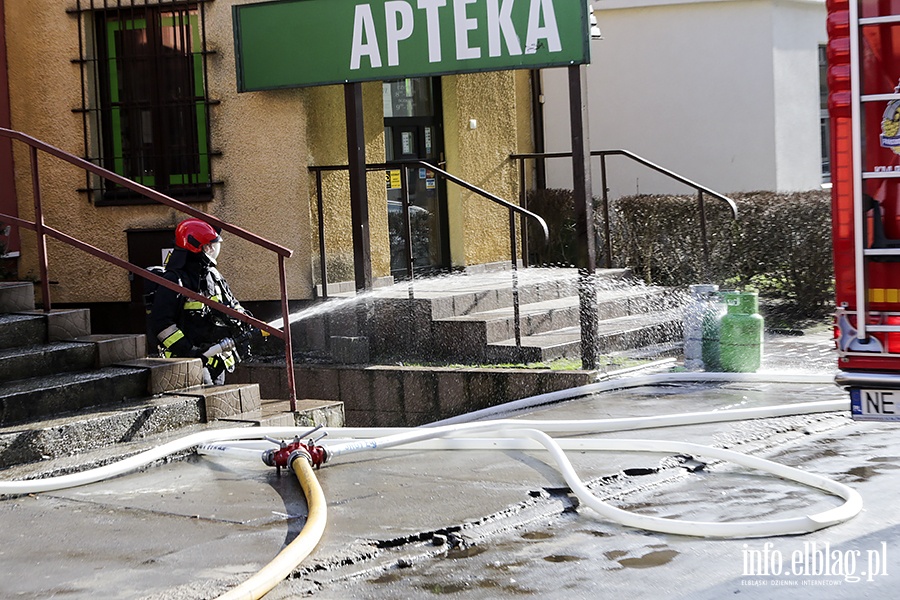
105, 108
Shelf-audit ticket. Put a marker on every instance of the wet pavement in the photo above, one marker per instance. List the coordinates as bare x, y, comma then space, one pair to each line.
493, 524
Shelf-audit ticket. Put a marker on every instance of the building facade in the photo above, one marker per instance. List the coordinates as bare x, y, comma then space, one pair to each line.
147, 89
724, 92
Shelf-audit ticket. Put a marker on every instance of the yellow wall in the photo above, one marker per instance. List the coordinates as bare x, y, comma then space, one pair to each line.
261, 137
328, 146
266, 140
479, 229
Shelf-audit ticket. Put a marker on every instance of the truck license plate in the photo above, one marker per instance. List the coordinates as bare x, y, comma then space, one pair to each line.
875, 405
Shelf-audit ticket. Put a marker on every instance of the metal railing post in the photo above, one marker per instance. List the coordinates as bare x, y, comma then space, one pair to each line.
607, 242
39, 229
523, 202
320, 206
517, 324
701, 206
404, 196
288, 346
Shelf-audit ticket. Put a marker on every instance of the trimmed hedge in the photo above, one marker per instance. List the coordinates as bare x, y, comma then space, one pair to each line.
780, 244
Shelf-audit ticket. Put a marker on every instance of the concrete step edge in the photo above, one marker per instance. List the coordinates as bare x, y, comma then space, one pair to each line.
109, 454
98, 428
541, 317
39, 397
325, 412
45, 359
18, 330
626, 334
308, 413
16, 296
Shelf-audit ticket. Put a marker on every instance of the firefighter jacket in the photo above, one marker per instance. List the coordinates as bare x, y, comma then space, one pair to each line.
184, 327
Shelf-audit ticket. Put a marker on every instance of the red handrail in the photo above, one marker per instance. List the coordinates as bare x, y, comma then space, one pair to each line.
43, 231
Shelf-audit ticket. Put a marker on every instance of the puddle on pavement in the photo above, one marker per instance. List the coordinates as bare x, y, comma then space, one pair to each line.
452, 587
657, 558
387, 578
455, 587
861, 474
467, 552
537, 535
890, 461
561, 558
508, 566
595, 533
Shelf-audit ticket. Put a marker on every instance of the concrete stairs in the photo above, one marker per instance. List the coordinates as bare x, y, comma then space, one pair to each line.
70, 399
470, 319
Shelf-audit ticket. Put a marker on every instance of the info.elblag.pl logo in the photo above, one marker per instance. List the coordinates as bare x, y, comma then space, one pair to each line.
811, 562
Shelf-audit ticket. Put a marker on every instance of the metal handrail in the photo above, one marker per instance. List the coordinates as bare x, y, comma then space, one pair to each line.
701, 190
44, 230
406, 164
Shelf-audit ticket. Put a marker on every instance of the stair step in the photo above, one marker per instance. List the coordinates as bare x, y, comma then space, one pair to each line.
612, 335
47, 359
277, 413
90, 430
89, 459
16, 296
224, 401
22, 330
52, 395
466, 336
461, 294
66, 323
533, 287
149, 424
110, 349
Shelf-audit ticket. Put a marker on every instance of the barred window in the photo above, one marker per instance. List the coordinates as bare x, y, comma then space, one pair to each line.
145, 101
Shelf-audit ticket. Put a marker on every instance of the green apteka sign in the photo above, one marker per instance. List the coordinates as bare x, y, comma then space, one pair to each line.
297, 43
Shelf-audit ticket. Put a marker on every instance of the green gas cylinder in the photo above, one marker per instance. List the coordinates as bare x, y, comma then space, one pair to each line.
741, 333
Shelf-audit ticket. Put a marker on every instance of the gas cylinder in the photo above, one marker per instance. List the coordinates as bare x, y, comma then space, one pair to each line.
712, 322
703, 297
741, 333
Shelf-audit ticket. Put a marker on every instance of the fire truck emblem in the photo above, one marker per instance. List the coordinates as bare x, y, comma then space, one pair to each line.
890, 125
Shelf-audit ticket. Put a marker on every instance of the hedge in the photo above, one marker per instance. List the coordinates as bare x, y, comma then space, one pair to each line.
780, 244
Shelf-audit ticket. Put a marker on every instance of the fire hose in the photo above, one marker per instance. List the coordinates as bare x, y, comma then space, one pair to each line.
301, 457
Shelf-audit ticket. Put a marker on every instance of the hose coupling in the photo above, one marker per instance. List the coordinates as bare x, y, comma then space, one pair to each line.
300, 452
285, 454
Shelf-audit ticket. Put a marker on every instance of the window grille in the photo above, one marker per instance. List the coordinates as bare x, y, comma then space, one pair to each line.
144, 97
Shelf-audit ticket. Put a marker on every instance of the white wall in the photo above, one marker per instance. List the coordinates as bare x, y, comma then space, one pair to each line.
724, 93
799, 29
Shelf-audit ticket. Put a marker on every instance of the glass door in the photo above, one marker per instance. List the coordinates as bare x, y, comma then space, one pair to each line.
412, 131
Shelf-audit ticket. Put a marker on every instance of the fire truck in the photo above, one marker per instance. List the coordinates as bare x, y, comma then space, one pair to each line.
864, 108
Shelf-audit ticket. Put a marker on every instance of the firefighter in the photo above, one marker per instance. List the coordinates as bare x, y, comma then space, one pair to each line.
184, 327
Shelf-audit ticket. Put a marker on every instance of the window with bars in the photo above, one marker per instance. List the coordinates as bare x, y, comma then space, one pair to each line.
144, 100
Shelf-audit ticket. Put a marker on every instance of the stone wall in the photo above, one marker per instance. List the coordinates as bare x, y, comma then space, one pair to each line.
395, 396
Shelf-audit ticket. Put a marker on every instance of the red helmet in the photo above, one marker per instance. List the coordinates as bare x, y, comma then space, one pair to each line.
193, 234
